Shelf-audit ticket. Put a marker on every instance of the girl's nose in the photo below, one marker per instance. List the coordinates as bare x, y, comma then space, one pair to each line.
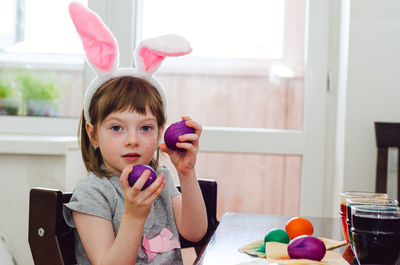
131, 138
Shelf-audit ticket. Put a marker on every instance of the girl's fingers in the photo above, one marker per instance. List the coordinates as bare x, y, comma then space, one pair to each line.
156, 192
154, 186
192, 138
188, 137
164, 148
141, 181
191, 123
152, 191
186, 146
124, 176
188, 142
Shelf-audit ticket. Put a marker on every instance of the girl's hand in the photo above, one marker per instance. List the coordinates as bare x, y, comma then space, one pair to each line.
137, 202
186, 160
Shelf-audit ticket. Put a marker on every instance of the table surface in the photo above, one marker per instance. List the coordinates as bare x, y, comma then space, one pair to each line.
239, 229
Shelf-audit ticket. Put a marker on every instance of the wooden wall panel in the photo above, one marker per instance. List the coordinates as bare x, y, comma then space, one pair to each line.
251, 183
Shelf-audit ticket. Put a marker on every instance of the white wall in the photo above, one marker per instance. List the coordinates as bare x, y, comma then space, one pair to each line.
368, 88
26, 162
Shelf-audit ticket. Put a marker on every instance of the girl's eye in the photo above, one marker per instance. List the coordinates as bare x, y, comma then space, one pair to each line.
116, 128
147, 128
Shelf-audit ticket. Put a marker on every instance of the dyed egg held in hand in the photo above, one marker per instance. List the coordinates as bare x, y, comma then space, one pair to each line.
173, 132
307, 247
137, 171
277, 235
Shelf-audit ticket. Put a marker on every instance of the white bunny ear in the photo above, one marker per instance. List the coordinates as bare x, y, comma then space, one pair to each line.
100, 46
151, 52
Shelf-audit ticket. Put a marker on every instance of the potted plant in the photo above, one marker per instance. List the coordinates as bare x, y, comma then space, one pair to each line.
9, 97
40, 94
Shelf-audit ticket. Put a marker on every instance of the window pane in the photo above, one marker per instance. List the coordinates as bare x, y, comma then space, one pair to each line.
246, 69
250, 183
43, 74
220, 28
8, 16
48, 28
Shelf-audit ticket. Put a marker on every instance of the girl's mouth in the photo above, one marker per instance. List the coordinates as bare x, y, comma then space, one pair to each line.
131, 156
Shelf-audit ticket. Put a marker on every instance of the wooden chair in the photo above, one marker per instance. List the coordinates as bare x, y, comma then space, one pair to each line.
387, 135
51, 240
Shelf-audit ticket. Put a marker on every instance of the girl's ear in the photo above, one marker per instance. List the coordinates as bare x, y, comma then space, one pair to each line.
90, 132
101, 48
151, 52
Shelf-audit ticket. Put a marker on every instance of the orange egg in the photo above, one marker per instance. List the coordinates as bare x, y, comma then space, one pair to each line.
298, 226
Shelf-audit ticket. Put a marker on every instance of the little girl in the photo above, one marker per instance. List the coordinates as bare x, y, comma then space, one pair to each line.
121, 126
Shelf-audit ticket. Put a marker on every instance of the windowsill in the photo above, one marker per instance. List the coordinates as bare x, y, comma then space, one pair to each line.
37, 145
34, 125
231, 67
181, 65
71, 62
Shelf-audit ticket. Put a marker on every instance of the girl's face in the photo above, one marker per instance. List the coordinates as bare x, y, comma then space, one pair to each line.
126, 138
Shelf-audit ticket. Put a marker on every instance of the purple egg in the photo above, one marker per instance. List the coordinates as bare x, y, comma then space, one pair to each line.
173, 132
307, 247
137, 171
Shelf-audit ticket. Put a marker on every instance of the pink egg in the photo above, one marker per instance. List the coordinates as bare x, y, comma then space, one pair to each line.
307, 247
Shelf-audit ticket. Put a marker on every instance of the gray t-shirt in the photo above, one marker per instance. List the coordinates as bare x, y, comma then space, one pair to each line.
103, 197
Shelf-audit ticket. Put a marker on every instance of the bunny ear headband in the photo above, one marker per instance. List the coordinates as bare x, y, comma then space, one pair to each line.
102, 54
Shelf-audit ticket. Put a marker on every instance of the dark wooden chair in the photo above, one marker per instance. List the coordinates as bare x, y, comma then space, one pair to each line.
51, 240
387, 135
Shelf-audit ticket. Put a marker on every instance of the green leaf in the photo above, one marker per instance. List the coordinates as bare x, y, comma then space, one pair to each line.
37, 87
6, 89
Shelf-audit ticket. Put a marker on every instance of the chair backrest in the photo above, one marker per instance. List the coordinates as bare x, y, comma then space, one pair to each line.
209, 190
51, 240
387, 135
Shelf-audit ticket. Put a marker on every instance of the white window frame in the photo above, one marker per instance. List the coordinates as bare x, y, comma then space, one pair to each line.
309, 143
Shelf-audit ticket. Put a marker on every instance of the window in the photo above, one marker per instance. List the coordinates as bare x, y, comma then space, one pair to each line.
47, 27
8, 23
246, 68
44, 64
220, 29
254, 37
244, 77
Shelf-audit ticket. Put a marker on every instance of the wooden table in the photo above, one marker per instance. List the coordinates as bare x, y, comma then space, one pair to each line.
238, 229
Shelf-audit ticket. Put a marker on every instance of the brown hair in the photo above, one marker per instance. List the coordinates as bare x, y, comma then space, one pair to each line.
119, 94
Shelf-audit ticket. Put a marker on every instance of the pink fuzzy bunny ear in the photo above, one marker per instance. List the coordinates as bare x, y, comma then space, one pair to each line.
151, 52
100, 46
